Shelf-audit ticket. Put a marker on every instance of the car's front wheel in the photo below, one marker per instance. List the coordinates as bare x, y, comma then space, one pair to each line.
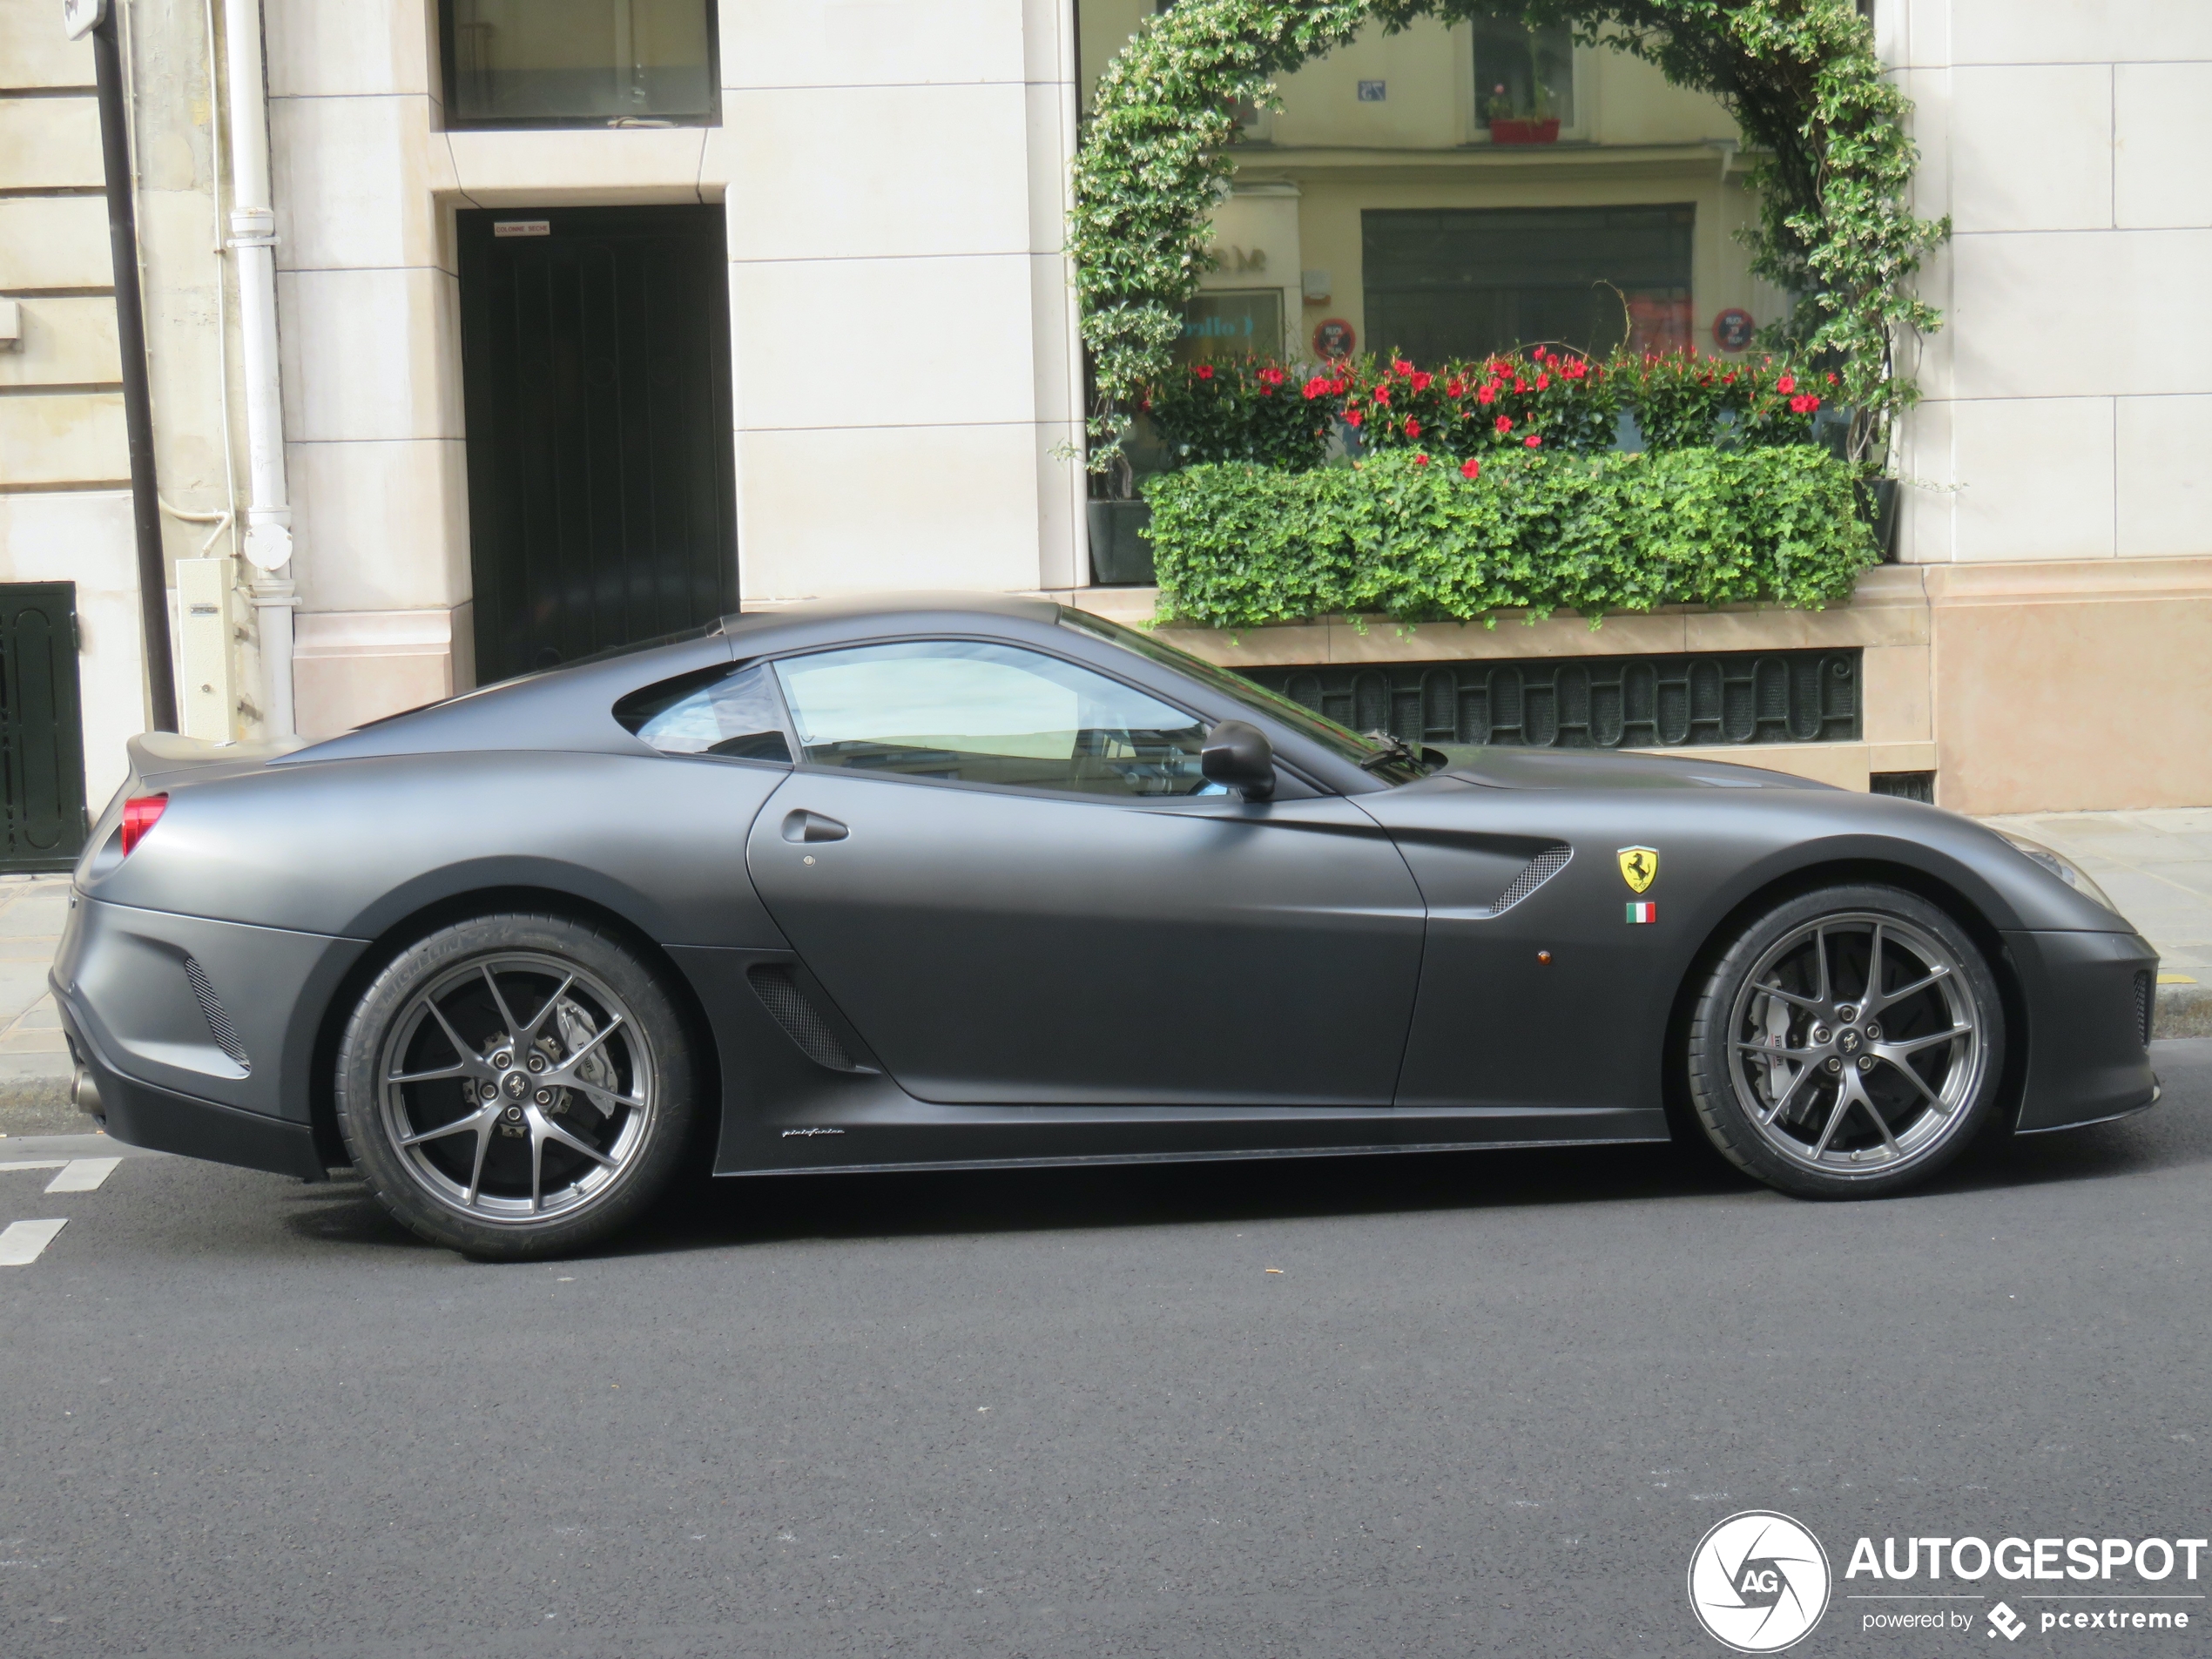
1849, 1043
516, 1086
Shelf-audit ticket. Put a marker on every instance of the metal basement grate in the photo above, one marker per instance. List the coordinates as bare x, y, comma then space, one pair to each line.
1593, 701
219, 1023
802, 1021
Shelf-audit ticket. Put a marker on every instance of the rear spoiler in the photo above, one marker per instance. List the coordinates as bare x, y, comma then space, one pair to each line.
154, 753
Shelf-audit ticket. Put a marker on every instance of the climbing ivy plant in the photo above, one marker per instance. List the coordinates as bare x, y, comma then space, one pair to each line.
1831, 164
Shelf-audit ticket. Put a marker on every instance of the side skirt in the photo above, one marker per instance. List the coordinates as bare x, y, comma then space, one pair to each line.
1108, 1159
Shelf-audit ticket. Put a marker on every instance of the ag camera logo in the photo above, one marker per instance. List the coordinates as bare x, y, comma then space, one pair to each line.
1759, 1581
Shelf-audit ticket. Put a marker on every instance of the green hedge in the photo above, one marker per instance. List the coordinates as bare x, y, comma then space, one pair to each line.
1236, 545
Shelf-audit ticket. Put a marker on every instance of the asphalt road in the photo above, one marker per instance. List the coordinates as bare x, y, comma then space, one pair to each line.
1489, 1406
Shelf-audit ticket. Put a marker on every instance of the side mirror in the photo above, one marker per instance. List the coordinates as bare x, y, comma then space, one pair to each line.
1238, 756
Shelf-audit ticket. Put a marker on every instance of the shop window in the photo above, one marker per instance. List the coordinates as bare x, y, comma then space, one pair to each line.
578, 63
1465, 282
1523, 74
1231, 322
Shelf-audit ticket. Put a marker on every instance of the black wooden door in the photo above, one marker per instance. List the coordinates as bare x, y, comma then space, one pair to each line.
42, 728
602, 493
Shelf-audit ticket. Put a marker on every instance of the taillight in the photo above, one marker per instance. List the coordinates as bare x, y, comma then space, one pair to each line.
140, 814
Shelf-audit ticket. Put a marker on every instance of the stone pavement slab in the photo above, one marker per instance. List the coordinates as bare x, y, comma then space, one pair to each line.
34, 1056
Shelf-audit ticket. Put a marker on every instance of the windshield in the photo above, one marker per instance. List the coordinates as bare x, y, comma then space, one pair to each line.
1386, 759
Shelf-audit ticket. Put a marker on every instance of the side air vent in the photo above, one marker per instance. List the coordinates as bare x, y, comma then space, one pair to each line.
2146, 1004
1541, 869
804, 1024
219, 1024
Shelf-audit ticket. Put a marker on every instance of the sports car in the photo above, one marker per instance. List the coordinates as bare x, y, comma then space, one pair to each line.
941, 881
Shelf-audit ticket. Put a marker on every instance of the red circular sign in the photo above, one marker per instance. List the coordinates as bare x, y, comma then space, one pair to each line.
1334, 337
1733, 328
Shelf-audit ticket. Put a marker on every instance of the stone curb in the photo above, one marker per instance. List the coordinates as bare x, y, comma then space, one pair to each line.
2182, 1011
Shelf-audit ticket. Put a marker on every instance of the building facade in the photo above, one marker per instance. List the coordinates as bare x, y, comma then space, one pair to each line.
599, 317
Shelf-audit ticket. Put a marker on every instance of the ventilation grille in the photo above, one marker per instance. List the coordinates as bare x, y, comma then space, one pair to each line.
802, 1021
219, 1024
1592, 702
2146, 1003
1542, 868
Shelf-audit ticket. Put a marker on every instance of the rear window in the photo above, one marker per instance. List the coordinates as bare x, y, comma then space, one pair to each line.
734, 713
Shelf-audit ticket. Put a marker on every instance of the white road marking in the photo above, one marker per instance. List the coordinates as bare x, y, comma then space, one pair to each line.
83, 1175
34, 1164
22, 1241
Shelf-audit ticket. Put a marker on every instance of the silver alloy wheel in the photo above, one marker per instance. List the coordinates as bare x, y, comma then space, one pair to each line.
516, 1088
1855, 1044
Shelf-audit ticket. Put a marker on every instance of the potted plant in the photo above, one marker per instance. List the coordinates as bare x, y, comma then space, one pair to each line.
1539, 126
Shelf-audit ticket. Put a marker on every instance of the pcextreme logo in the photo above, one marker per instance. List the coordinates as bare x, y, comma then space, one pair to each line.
1759, 1581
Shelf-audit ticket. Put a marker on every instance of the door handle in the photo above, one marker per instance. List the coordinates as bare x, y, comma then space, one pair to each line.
803, 825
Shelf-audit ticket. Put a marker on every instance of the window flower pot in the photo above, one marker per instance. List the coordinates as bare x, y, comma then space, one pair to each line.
1121, 556
1509, 130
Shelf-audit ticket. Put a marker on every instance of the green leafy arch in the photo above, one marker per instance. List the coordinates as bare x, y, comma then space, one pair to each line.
1832, 166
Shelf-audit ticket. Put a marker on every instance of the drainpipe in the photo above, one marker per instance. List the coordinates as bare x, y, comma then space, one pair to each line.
252, 240
98, 17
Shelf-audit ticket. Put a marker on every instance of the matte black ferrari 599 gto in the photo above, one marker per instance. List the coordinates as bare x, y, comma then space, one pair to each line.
994, 882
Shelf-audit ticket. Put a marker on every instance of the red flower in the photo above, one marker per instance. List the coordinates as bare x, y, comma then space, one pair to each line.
1729, 379
1786, 385
1399, 366
1470, 467
1382, 394
1421, 380
1519, 384
1487, 395
1335, 387
1421, 461
1204, 371
1803, 403
1504, 425
1353, 417
1534, 441
1832, 377
1454, 388
1314, 387
1271, 376
1412, 429
1543, 383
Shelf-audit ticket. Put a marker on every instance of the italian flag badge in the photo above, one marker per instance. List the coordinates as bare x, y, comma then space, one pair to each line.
1643, 912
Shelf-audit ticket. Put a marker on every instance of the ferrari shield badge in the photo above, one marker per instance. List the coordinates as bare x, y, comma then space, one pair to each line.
1639, 866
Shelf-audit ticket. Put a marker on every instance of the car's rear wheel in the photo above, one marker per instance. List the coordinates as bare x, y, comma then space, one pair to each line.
1849, 1043
516, 1086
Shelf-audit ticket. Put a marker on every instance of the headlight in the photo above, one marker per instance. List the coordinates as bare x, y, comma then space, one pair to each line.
2061, 866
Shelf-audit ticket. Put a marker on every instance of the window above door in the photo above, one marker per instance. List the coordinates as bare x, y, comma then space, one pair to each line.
579, 62
971, 712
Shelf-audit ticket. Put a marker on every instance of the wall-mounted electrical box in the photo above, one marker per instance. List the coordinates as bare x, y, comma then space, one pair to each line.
207, 649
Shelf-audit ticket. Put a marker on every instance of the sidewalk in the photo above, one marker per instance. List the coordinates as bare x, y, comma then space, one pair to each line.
34, 1059
2157, 866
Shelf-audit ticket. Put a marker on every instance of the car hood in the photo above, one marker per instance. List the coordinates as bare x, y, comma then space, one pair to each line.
1498, 767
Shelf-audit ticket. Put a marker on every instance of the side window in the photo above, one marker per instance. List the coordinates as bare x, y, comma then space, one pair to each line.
727, 711
982, 713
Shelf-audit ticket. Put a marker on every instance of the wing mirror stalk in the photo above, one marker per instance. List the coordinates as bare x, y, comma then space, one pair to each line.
1238, 756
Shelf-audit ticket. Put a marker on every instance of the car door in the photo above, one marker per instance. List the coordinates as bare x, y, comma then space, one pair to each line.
1009, 872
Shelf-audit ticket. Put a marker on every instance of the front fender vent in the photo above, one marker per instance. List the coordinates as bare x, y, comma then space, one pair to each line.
1541, 869
804, 1024
221, 1026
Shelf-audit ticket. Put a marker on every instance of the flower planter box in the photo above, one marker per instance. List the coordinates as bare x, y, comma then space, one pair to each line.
1509, 130
1120, 554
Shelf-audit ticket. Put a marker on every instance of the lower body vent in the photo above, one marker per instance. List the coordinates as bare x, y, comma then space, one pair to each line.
804, 1024
2146, 1003
221, 1026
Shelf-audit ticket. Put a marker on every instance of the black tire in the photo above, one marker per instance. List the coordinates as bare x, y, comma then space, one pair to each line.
510, 1149
1821, 1090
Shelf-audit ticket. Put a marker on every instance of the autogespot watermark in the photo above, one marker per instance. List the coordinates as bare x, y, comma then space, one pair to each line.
1759, 1582
2146, 1586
